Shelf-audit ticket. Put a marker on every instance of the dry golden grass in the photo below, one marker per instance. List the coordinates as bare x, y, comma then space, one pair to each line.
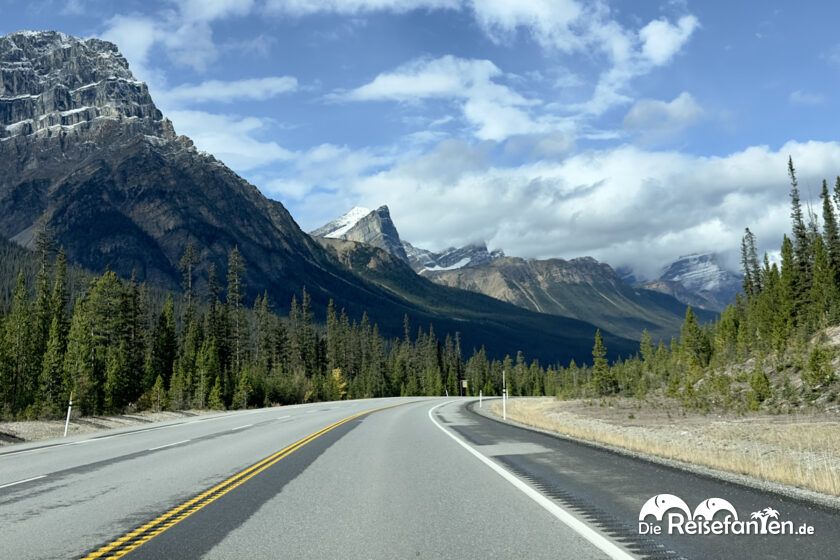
799, 451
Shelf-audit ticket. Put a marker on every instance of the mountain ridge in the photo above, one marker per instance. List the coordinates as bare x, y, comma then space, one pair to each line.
103, 168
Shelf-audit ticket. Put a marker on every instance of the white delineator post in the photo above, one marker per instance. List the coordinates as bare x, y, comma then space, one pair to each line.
69, 408
504, 397
479, 398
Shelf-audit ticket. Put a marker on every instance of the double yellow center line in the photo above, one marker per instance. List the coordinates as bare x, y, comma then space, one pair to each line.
141, 535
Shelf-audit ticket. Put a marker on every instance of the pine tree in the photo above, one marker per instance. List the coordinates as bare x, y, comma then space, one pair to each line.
243, 390
164, 344
801, 245
236, 268
19, 377
214, 401
823, 295
79, 362
42, 309
51, 389
158, 395
602, 376
749, 261
116, 380
187, 264
208, 370
831, 232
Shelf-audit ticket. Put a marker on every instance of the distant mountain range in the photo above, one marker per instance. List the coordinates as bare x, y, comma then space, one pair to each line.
698, 280
580, 288
85, 151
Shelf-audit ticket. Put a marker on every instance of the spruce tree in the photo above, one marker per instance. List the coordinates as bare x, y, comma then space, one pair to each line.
602, 377
801, 245
749, 261
21, 362
235, 296
831, 232
164, 344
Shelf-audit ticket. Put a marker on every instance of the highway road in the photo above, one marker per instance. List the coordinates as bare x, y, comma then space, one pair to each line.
387, 478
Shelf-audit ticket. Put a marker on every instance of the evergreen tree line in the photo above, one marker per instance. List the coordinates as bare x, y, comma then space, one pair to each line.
115, 349
776, 325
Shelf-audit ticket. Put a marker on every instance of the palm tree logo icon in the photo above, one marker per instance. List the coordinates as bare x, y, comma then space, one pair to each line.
763, 515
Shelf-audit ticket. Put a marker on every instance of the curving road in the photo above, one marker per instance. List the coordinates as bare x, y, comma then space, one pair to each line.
390, 478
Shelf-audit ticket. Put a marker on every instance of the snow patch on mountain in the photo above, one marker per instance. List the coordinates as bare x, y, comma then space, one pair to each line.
460, 264
340, 226
701, 272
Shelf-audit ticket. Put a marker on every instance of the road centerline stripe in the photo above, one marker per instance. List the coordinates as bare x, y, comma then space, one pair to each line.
168, 445
144, 533
22, 481
241, 427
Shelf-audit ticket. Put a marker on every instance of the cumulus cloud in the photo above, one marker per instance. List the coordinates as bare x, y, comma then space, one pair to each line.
625, 205
184, 31
353, 7
234, 140
661, 39
656, 120
493, 110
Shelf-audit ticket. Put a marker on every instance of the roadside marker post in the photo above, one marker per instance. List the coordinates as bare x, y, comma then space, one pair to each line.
479, 398
504, 397
69, 408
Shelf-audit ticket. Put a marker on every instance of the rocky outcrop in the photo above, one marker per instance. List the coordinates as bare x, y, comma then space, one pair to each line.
474, 254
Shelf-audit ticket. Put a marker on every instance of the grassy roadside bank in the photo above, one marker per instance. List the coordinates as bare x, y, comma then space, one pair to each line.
801, 450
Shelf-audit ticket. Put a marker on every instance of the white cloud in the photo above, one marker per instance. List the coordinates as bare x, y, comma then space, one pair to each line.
226, 92
657, 120
209, 10
802, 97
326, 168
623, 205
493, 110
232, 139
184, 30
135, 36
353, 7
661, 40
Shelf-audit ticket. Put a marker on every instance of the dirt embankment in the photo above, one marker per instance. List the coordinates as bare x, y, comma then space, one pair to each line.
34, 430
799, 450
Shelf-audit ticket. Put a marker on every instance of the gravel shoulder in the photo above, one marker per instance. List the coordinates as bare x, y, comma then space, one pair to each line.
795, 454
37, 430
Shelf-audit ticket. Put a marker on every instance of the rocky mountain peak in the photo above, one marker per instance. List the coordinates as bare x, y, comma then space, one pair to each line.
53, 83
374, 227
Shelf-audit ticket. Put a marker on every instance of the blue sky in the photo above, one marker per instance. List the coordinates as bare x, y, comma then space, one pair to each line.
634, 131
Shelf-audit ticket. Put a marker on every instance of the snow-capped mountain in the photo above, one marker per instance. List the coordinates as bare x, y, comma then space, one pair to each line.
453, 258
699, 280
340, 226
373, 227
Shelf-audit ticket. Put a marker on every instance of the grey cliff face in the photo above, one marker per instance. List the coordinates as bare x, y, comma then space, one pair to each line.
50, 83
374, 228
84, 149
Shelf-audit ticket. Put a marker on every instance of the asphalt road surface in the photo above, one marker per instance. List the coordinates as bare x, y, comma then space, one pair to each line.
389, 478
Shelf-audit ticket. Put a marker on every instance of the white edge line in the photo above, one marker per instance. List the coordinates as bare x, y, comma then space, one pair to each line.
167, 445
241, 427
22, 481
581, 528
281, 417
